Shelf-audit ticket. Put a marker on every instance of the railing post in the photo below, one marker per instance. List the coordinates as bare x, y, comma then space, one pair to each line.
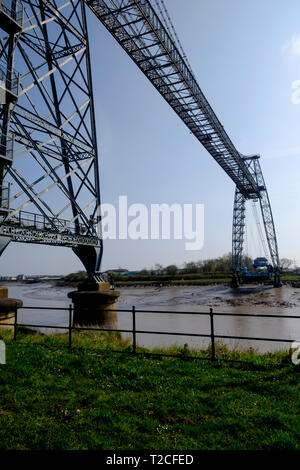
16, 322
133, 329
70, 326
212, 334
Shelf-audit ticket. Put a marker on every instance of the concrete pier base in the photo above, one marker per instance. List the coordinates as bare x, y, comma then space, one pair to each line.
277, 280
7, 308
93, 303
235, 281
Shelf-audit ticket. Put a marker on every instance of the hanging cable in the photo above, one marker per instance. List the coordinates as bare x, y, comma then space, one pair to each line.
165, 17
253, 239
246, 237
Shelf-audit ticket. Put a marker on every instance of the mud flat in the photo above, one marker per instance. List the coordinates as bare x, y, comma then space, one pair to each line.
250, 297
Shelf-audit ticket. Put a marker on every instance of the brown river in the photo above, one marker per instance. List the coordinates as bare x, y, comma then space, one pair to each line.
259, 300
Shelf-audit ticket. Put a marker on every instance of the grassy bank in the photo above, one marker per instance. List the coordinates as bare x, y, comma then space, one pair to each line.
92, 398
193, 280
171, 282
153, 280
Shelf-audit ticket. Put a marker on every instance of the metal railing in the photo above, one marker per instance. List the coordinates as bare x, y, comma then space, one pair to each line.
40, 222
134, 331
9, 79
4, 197
7, 148
14, 9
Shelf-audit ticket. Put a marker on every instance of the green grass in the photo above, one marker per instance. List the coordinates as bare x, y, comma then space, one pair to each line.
192, 279
92, 398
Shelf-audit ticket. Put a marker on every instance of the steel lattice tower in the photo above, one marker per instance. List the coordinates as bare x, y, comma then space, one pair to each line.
48, 156
48, 153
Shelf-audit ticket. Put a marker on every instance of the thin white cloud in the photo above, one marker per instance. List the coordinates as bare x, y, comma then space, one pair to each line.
292, 46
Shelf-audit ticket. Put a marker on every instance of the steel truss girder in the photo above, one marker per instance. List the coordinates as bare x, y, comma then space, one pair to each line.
138, 29
30, 235
54, 163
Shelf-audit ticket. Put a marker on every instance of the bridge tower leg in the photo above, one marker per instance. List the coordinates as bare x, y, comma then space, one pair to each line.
238, 230
10, 19
268, 223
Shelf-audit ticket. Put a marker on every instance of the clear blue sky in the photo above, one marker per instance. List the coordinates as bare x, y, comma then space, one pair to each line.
245, 56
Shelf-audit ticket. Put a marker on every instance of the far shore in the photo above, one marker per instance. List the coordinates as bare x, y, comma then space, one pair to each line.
293, 281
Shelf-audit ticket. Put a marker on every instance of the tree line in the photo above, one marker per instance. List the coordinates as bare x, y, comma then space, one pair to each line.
222, 264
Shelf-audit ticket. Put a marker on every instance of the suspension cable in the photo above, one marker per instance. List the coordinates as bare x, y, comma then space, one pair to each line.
259, 229
171, 29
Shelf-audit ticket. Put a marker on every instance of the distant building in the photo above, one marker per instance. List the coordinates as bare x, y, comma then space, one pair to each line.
120, 272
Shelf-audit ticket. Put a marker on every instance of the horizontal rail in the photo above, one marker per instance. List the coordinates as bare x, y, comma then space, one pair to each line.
153, 332
181, 312
70, 327
45, 308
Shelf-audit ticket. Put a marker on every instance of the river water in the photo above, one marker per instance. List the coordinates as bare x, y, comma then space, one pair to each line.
248, 299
